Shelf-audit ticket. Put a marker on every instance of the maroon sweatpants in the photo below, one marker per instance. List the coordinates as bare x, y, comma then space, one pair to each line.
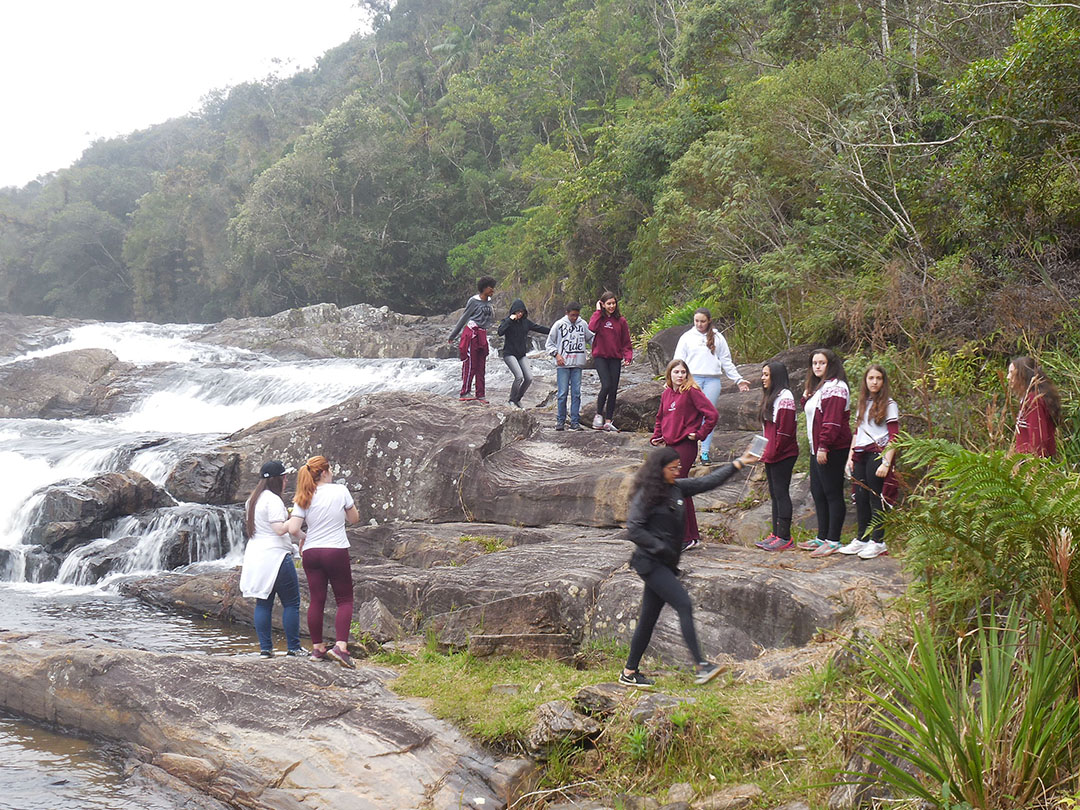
687, 451
328, 566
473, 350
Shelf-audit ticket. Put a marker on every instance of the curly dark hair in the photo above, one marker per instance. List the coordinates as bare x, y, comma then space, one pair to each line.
649, 481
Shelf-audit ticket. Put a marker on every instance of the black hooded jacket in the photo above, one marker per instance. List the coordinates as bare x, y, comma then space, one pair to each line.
515, 332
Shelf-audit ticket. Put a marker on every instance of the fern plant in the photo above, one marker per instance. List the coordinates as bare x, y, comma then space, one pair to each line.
989, 524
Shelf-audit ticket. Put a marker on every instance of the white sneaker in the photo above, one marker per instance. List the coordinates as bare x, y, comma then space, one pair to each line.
854, 547
598, 422
872, 550
610, 427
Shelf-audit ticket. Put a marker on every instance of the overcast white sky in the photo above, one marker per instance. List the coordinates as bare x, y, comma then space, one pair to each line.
72, 71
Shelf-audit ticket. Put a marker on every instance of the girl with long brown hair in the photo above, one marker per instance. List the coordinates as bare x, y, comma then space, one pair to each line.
685, 416
870, 462
325, 507
707, 355
268, 568
1040, 408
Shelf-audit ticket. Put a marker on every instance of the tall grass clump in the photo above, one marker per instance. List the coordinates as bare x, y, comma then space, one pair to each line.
987, 721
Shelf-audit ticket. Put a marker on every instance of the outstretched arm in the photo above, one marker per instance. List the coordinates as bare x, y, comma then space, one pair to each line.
704, 483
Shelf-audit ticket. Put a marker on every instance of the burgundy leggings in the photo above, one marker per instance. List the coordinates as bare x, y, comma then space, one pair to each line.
322, 566
687, 450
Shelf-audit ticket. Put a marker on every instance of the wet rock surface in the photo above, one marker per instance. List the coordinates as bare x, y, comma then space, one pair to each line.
71, 514
85, 381
285, 733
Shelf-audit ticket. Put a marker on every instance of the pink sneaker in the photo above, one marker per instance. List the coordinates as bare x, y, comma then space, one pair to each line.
825, 549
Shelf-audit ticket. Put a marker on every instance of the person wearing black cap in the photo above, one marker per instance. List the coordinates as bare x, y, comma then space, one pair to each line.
268, 560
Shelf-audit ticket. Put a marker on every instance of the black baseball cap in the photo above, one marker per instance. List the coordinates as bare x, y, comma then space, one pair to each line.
272, 469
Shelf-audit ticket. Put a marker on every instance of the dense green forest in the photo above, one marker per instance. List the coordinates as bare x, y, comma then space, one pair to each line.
838, 170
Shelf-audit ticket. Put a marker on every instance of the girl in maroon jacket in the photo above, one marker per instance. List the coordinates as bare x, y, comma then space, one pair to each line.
777, 416
611, 350
685, 417
827, 404
1040, 408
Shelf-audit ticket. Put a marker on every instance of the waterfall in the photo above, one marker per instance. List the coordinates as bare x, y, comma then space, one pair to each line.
182, 396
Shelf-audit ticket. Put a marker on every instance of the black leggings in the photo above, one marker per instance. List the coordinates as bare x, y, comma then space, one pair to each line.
662, 586
868, 504
778, 474
609, 369
827, 489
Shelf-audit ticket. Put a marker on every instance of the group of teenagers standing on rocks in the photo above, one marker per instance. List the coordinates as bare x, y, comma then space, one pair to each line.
661, 521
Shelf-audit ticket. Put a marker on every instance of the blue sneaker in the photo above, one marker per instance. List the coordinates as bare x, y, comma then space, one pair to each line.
705, 458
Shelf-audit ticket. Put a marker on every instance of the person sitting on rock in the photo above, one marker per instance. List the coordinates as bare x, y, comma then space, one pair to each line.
655, 524
567, 343
684, 417
268, 560
514, 330
326, 507
473, 325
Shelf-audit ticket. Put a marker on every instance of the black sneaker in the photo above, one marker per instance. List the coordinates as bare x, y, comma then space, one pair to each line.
637, 679
560, 426
297, 651
575, 426
266, 654
705, 672
691, 544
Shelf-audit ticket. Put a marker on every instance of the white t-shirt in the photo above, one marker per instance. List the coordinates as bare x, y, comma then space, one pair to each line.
877, 433
265, 549
326, 516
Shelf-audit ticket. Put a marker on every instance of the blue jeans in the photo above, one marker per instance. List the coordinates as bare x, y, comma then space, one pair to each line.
287, 588
569, 379
710, 387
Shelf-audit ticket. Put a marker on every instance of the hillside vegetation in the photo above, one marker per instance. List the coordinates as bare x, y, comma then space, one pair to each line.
845, 172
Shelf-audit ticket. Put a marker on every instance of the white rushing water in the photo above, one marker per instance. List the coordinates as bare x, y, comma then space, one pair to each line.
188, 396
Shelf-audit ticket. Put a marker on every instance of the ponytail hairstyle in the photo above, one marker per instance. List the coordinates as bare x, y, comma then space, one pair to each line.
607, 295
307, 478
778, 381
834, 370
690, 383
880, 409
275, 484
710, 335
649, 481
1031, 380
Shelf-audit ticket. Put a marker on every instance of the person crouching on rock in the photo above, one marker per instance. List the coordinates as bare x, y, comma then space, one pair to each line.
685, 416
514, 330
268, 560
655, 523
325, 507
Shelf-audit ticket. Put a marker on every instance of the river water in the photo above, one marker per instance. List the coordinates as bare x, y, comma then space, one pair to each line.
189, 395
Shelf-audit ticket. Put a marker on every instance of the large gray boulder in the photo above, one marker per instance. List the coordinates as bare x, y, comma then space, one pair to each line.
275, 735
324, 330
71, 514
62, 385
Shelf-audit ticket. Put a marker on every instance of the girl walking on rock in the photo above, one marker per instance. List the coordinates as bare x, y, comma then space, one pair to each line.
685, 416
326, 507
611, 350
268, 568
777, 416
514, 330
655, 523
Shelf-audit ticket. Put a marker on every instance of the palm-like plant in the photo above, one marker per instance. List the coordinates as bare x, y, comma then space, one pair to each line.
993, 725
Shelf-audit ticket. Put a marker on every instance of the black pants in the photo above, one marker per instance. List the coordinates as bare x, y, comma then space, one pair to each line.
868, 505
662, 586
778, 474
827, 489
609, 369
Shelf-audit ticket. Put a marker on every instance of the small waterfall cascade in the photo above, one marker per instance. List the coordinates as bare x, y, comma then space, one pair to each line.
182, 396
